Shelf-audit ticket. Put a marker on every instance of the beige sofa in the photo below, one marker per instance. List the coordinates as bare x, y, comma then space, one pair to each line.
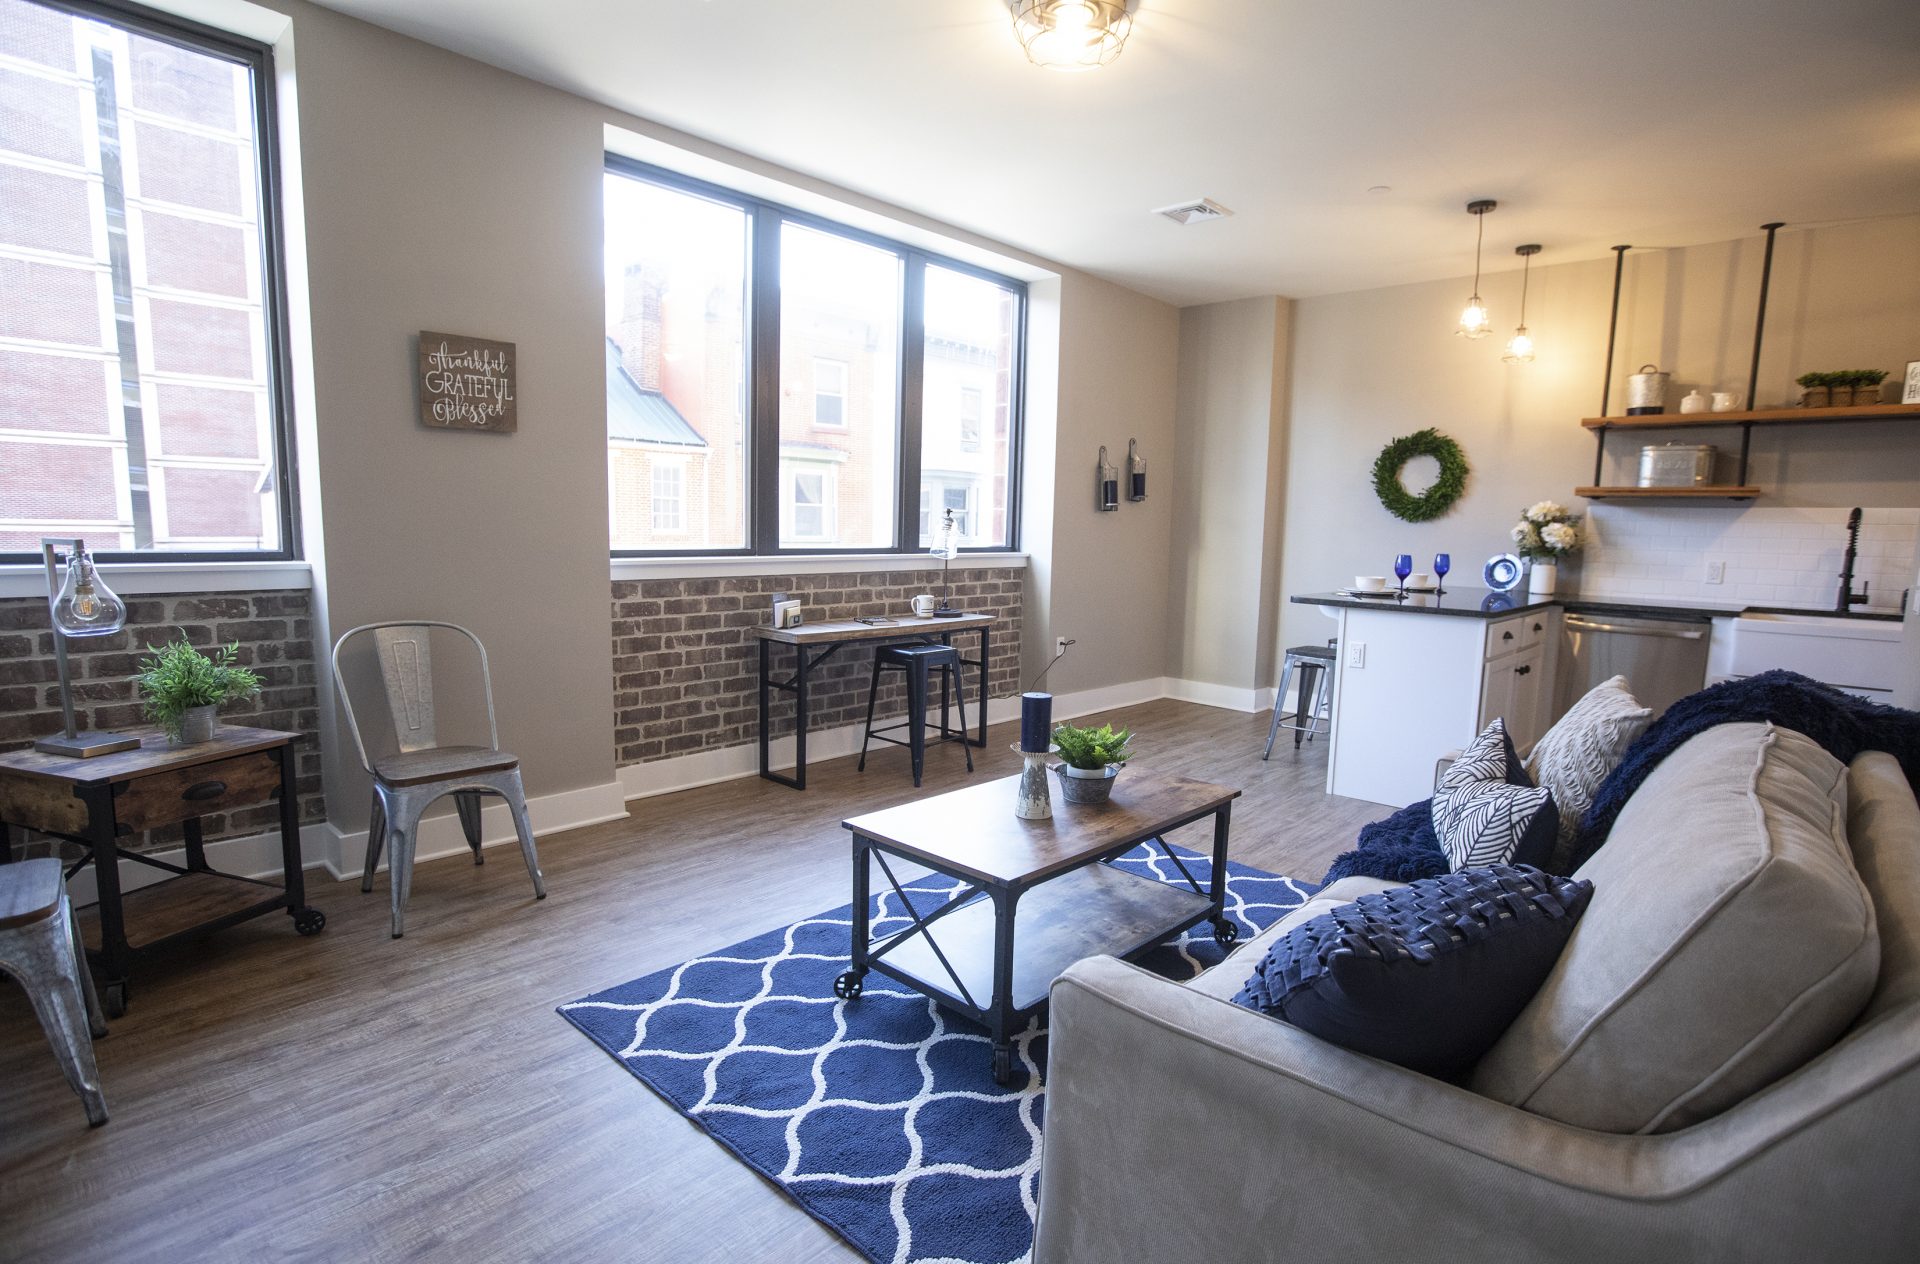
1729, 1098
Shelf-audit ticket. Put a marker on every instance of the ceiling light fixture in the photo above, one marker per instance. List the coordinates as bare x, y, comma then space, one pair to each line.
1520, 346
1071, 34
1474, 322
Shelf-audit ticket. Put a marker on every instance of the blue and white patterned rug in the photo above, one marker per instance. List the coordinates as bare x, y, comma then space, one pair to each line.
879, 1116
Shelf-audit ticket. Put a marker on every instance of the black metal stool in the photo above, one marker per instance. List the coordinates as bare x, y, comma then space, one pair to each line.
916, 661
1315, 663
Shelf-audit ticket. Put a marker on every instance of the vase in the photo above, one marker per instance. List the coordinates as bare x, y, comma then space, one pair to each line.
1542, 577
1841, 396
197, 725
1086, 785
1033, 802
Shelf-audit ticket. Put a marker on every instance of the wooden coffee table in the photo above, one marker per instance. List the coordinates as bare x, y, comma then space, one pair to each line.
1045, 886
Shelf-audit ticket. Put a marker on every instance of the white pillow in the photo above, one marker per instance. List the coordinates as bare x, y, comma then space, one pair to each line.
1582, 749
1482, 817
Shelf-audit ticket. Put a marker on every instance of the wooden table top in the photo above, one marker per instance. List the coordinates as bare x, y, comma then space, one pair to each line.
154, 755
975, 833
849, 630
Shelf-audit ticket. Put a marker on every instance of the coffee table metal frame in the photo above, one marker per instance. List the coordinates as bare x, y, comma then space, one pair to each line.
1001, 1012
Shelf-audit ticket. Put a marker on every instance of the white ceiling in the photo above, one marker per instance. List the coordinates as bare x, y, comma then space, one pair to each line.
1592, 121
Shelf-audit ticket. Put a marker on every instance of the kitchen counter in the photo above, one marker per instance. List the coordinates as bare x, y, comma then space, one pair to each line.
1482, 603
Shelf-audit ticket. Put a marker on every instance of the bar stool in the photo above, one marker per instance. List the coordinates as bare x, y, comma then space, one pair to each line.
917, 661
40, 947
1315, 663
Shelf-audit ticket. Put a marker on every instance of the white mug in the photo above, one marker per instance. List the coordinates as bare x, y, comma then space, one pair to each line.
1725, 401
924, 604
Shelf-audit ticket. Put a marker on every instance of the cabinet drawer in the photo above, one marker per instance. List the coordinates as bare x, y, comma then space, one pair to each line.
1507, 636
1535, 628
169, 797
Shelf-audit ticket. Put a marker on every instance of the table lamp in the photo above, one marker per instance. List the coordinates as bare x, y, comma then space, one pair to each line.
82, 605
944, 548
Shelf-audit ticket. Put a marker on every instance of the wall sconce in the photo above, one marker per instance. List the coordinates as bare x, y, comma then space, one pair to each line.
1107, 489
82, 605
1474, 321
1136, 471
1520, 346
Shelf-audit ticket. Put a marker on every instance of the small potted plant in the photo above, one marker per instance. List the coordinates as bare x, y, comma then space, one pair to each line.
1866, 385
184, 688
1545, 533
1093, 758
1840, 389
1815, 391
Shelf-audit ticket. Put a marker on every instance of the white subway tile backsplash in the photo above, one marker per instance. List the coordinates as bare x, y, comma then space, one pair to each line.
1773, 556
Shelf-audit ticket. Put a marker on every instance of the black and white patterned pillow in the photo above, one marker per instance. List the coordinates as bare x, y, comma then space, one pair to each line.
1486, 810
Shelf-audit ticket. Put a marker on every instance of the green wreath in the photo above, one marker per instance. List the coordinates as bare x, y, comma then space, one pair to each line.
1437, 499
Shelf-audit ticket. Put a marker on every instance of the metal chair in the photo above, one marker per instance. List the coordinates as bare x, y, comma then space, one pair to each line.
407, 782
1315, 664
916, 661
40, 946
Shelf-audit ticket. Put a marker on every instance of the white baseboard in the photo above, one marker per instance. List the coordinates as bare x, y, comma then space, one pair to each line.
343, 855
728, 763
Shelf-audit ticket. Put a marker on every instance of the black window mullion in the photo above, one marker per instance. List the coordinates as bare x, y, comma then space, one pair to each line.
913, 357
763, 368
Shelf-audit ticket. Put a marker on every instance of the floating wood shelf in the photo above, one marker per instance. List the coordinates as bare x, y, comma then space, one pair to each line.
1757, 417
1688, 494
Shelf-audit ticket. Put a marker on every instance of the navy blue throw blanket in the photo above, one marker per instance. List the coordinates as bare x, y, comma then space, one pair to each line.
1403, 848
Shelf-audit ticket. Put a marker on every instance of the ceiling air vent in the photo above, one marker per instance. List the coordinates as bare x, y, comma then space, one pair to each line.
1198, 211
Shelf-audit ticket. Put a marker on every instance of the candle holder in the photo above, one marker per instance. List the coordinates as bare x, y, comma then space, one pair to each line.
1035, 801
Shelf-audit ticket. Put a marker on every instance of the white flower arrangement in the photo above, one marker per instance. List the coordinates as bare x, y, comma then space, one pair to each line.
1547, 530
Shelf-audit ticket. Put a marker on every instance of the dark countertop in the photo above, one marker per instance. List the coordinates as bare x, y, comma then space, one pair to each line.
1475, 602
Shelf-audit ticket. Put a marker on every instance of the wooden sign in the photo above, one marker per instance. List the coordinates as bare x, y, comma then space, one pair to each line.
467, 384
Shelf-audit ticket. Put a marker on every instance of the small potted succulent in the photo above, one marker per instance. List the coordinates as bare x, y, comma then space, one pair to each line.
1866, 385
183, 688
1093, 758
1815, 390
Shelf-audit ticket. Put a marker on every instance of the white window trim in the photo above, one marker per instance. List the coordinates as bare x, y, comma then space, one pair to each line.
846, 378
679, 466
29, 579
798, 564
829, 500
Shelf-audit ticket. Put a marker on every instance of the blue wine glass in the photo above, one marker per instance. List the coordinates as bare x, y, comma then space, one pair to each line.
1442, 563
1403, 567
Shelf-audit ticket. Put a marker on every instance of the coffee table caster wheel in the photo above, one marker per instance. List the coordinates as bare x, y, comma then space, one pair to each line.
309, 921
1002, 1065
113, 1000
1225, 932
849, 985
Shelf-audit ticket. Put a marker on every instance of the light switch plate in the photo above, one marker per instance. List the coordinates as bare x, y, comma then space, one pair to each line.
1716, 572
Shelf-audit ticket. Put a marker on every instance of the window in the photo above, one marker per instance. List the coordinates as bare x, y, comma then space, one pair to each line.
969, 419
808, 503
829, 393
141, 344
668, 509
817, 382
939, 493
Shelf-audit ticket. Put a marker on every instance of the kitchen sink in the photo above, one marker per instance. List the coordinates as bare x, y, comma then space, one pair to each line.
1859, 655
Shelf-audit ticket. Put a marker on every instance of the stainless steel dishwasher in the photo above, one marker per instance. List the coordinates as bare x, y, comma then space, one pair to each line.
1663, 660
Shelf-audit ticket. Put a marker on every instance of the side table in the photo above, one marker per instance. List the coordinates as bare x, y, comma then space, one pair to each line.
93, 802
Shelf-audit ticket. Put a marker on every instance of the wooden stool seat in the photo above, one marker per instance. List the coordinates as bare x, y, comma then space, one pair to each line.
413, 768
30, 891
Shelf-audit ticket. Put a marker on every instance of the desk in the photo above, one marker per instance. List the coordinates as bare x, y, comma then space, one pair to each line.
814, 643
94, 801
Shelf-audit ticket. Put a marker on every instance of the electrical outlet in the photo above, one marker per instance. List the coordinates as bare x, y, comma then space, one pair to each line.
1060, 644
1716, 572
1356, 656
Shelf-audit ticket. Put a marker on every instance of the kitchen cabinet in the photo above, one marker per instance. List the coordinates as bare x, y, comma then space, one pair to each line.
1510, 689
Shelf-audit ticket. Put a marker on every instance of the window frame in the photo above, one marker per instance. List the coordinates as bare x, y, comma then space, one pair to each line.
667, 463
760, 365
828, 504
257, 56
846, 378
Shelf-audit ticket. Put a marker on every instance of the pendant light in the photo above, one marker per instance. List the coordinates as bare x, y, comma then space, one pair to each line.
1520, 346
1474, 321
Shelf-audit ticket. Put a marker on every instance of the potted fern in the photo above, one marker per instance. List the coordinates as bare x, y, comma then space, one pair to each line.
183, 688
1093, 758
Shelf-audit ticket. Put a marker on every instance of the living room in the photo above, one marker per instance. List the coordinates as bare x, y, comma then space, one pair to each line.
603, 214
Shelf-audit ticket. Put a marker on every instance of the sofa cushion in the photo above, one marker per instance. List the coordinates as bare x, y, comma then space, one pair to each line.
1728, 942
1427, 975
1581, 750
1224, 979
1487, 811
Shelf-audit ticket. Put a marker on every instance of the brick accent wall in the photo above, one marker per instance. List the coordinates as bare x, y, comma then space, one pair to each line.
686, 665
275, 632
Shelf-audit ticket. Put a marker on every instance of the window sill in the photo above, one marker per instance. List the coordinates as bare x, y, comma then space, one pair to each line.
800, 564
136, 578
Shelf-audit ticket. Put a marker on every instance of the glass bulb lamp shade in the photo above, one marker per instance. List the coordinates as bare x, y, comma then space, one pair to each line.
1519, 347
946, 547
1071, 35
82, 606
1474, 320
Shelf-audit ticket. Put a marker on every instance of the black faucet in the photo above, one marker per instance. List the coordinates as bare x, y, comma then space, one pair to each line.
1848, 597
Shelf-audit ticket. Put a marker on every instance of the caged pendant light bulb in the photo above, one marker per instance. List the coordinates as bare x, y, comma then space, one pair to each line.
1474, 320
85, 606
1520, 346
1071, 35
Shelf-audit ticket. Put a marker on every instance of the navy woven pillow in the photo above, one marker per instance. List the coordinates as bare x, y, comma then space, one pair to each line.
1427, 975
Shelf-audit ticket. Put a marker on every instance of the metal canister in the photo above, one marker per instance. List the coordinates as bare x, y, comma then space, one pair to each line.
1647, 391
1676, 464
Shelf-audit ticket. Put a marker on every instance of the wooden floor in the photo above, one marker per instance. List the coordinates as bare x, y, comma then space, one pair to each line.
352, 1097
